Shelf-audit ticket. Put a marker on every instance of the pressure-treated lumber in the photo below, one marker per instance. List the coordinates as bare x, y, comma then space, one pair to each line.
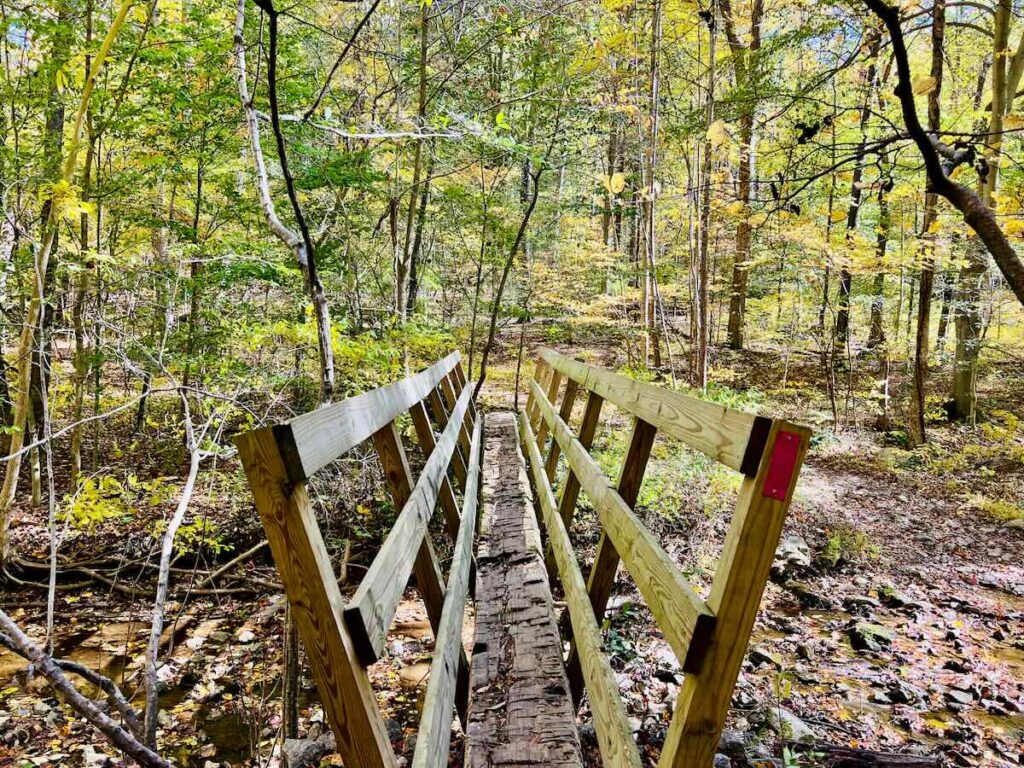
305, 569
440, 411
734, 597
433, 740
570, 489
678, 609
520, 715
614, 735
606, 560
565, 413
542, 373
552, 394
428, 440
448, 390
721, 433
311, 441
373, 606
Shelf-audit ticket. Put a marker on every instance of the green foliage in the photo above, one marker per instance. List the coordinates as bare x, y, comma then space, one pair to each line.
199, 535
999, 509
846, 544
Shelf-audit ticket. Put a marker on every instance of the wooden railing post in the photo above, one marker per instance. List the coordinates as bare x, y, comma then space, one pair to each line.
399, 480
552, 394
440, 411
427, 439
735, 597
541, 374
570, 489
606, 560
565, 413
312, 589
464, 429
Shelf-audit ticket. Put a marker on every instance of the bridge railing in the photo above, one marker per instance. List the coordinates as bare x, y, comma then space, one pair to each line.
708, 636
343, 639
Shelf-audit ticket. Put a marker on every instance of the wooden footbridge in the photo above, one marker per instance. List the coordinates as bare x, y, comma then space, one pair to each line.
518, 693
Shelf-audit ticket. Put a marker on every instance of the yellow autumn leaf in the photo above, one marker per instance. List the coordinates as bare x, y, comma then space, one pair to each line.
1013, 121
618, 183
935, 227
924, 84
838, 216
735, 208
758, 219
718, 133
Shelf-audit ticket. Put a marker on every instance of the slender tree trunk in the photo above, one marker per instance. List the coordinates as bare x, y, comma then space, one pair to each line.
744, 66
876, 335
916, 431
42, 259
405, 275
701, 336
968, 315
651, 341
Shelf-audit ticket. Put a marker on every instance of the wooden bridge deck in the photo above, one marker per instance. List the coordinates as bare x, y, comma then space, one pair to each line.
520, 712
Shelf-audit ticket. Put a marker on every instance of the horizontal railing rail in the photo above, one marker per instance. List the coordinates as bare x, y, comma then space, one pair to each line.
708, 636
341, 639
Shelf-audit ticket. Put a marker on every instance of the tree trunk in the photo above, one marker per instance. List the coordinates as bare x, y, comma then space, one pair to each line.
31, 320
916, 428
743, 69
699, 377
968, 319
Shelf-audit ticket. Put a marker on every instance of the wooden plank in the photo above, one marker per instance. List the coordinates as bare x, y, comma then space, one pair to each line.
565, 413
311, 441
606, 560
721, 433
542, 373
428, 440
398, 478
434, 738
570, 490
680, 612
735, 595
552, 395
520, 715
312, 590
373, 606
461, 381
614, 735
450, 397
437, 407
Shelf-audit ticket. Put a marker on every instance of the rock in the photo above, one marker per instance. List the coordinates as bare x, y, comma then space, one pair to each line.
734, 743
809, 599
902, 692
305, 753
861, 605
759, 655
792, 555
865, 636
958, 699
219, 637
1018, 523
805, 652
789, 726
245, 635
91, 758
721, 761
958, 665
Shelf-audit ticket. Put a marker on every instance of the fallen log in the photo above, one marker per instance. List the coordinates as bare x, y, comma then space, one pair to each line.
834, 756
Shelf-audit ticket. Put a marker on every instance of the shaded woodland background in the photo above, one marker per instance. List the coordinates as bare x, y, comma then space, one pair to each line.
216, 216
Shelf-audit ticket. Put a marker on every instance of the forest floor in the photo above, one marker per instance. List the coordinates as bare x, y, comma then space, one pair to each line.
894, 620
